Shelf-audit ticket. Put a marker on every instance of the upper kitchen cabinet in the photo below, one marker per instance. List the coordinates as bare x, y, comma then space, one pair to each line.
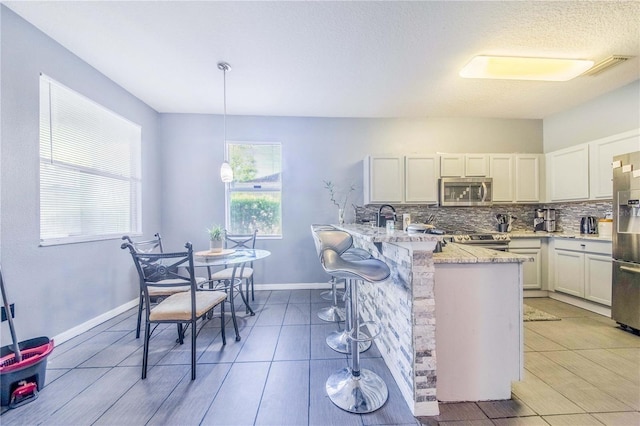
601, 154
516, 177
528, 175
568, 173
421, 179
464, 165
411, 179
383, 179
502, 172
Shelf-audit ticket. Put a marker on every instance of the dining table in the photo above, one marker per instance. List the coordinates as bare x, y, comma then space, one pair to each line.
230, 258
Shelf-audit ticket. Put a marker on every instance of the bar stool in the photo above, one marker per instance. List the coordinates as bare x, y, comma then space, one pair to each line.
339, 340
341, 241
334, 294
354, 389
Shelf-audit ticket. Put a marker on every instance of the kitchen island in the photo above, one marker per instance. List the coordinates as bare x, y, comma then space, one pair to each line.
474, 296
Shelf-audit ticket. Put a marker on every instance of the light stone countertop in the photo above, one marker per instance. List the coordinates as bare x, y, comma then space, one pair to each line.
531, 234
451, 252
380, 235
466, 253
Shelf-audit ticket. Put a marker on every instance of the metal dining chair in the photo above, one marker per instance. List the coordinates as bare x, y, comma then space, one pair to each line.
183, 308
156, 293
238, 241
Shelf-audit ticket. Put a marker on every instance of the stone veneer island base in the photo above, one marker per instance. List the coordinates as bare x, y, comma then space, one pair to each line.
463, 304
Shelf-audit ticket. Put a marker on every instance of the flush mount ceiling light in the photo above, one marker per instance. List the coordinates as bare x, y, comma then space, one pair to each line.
520, 68
226, 172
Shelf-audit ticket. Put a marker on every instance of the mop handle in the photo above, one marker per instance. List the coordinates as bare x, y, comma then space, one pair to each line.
16, 347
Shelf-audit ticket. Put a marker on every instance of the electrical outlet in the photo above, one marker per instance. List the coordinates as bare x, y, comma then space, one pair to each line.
4, 314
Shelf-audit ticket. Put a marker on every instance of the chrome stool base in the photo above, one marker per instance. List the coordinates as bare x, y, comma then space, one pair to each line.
332, 314
357, 394
339, 341
328, 294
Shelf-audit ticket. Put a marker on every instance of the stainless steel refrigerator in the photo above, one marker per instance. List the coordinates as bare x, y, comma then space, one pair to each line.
625, 289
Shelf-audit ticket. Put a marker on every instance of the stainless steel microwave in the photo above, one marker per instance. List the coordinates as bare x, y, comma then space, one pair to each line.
466, 191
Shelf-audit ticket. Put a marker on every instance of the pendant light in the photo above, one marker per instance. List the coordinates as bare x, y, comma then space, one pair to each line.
226, 172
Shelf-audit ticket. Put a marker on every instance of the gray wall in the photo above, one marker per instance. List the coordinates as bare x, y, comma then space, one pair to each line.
314, 149
57, 288
612, 113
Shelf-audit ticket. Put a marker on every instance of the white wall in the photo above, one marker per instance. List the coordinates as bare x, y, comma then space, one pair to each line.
313, 150
609, 114
57, 288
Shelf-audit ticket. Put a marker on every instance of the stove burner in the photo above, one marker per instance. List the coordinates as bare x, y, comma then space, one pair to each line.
481, 238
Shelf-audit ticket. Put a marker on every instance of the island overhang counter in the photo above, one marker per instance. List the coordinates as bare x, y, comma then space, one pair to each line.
463, 304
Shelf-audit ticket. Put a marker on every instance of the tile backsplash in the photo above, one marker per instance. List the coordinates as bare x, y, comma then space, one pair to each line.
483, 219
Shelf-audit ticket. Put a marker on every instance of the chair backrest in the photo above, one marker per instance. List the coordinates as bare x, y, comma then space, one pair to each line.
154, 268
339, 241
240, 240
146, 246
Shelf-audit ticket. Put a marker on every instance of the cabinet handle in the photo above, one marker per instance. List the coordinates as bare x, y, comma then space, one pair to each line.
630, 269
583, 245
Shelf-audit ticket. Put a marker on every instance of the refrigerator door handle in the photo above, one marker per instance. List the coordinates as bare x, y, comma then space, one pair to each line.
630, 269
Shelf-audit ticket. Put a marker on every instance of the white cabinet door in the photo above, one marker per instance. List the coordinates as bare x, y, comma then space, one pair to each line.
501, 167
383, 178
569, 272
452, 165
476, 165
598, 271
531, 271
601, 154
527, 186
568, 173
421, 179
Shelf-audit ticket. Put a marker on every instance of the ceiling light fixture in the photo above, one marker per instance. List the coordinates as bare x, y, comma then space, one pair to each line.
226, 172
521, 68
607, 63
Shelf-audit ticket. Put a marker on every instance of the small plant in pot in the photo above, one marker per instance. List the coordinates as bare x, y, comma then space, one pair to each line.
216, 237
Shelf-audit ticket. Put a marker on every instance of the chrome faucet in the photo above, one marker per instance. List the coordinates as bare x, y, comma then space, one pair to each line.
382, 220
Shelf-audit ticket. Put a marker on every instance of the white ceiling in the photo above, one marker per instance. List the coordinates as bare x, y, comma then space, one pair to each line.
342, 59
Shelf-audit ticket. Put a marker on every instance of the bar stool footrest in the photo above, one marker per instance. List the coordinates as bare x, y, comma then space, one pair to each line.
339, 342
377, 328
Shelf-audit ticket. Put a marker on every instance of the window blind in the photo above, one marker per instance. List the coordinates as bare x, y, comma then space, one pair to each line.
90, 177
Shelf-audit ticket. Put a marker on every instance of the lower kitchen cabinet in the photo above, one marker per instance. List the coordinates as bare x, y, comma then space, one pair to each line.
583, 269
531, 271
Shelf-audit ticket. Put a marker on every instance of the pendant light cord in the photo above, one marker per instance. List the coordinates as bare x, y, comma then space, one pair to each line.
224, 96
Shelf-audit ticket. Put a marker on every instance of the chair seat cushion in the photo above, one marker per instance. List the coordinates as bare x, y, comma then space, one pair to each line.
225, 274
178, 306
168, 291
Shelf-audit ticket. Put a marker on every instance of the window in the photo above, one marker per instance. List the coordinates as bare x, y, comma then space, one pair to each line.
89, 169
254, 198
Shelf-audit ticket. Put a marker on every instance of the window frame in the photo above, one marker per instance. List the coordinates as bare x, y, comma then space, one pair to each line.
134, 179
228, 191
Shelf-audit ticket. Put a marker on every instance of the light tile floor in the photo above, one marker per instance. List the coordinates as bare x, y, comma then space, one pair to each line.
581, 370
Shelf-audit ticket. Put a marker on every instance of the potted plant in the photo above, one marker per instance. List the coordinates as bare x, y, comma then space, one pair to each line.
216, 235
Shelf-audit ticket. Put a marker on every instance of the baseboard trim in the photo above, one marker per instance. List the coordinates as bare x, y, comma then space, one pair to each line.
79, 329
535, 293
581, 303
293, 286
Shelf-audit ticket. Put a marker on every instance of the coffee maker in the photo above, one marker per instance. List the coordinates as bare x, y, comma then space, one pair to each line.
544, 220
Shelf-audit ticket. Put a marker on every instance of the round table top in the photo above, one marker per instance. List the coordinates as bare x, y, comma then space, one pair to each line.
206, 258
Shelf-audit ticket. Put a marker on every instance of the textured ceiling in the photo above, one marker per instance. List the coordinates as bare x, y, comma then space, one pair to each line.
342, 59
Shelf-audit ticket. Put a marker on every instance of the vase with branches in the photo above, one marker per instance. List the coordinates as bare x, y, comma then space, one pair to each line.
339, 198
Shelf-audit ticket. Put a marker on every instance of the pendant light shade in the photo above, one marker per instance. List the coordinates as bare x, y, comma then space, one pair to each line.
226, 172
